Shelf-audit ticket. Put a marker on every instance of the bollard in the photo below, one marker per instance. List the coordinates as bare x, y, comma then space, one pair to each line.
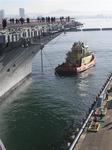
68, 144
77, 130
73, 136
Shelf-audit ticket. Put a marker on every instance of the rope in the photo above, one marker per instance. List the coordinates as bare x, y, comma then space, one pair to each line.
58, 38
49, 61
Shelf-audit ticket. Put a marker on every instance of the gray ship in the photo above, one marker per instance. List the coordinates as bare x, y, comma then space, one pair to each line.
18, 45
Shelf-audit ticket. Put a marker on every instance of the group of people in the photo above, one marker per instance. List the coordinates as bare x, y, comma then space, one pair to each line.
53, 19
13, 21
21, 20
66, 18
4, 23
46, 19
28, 20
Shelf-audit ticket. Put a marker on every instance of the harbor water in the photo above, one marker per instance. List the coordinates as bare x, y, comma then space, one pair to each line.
41, 113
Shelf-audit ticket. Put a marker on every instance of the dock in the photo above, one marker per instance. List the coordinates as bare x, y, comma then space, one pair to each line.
90, 138
100, 140
90, 29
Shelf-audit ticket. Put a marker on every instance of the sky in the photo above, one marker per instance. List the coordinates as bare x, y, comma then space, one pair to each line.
45, 6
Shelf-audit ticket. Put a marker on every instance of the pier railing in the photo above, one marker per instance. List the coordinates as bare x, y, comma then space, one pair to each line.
81, 131
2, 147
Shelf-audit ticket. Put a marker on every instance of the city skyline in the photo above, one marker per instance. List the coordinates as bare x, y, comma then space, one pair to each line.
46, 6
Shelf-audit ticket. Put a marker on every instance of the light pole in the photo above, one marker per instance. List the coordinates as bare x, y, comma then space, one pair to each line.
42, 46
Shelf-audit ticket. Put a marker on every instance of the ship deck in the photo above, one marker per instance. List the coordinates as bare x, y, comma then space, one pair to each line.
19, 25
100, 140
34, 23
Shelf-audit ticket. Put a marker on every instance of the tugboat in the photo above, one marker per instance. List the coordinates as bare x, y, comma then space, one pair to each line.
79, 59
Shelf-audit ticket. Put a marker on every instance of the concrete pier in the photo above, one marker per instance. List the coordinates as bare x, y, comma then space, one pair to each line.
101, 140
90, 138
90, 29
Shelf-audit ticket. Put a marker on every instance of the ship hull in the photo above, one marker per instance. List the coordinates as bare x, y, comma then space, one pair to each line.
71, 70
15, 67
16, 63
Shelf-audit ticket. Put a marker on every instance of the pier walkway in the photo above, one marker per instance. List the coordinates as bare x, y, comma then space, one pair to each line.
95, 133
101, 140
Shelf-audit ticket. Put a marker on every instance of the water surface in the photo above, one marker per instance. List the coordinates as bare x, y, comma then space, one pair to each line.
40, 115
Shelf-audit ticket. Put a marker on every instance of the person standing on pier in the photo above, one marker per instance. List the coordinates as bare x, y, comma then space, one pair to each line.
22, 20
95, 118
28, 20
107, 95
4, 23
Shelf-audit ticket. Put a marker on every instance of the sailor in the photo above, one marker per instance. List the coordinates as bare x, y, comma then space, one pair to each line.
4, 23
106, 95
13, 20
95, 119
28, 20
43, 19
17, 21
22, 20
68, 18
101, 115
48, 19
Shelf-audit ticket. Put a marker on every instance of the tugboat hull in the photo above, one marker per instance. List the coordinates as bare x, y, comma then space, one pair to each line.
87, 66
66, 73
71, 70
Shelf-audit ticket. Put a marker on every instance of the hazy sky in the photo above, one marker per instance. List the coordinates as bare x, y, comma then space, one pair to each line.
11, 6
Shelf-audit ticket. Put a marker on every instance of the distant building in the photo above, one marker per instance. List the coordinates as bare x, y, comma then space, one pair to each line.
1, 14
22, 12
